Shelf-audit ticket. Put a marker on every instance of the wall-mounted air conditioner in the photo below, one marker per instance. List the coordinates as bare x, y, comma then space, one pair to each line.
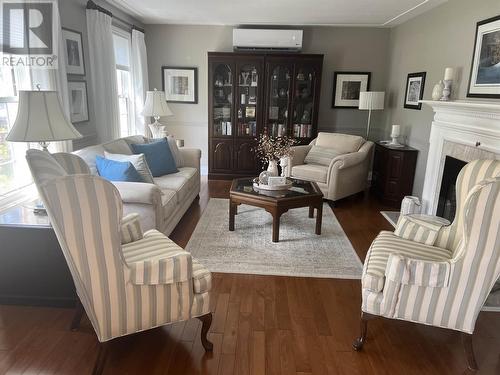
267, 39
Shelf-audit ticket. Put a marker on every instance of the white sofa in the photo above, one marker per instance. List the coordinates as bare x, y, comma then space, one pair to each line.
160, 205
345, 175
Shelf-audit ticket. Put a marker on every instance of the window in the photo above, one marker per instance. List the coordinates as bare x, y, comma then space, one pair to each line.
14, 171
122, 47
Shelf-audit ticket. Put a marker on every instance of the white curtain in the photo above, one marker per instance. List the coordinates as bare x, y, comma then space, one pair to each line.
139, 81
104, 86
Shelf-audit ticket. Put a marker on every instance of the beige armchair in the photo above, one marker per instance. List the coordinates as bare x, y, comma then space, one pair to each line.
341, 168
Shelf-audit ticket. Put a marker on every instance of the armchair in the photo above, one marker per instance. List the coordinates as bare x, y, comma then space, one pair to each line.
127, 281
444, 284
347, 171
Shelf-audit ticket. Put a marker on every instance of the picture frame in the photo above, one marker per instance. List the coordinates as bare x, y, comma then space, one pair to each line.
73, 51
347, 86
415, 84
78, 101
484, 78
180, 84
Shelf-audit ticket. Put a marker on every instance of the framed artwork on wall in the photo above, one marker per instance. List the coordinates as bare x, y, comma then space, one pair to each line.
73, 49
78, 104
484, 80
347, 86
180, 84
415, 83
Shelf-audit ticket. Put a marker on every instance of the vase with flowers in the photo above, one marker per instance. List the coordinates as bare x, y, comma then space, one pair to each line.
272, 149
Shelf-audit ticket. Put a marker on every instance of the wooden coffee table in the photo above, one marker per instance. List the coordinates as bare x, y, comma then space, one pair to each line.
302, 194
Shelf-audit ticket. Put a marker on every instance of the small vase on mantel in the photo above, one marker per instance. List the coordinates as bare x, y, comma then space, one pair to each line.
272, 168
437, 91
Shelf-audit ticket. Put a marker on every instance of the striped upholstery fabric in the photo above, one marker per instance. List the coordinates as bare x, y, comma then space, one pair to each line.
43, 166
72, 164
202, 278
321, 155
448, 293
412, 228
388, 243
131, 229
86, 213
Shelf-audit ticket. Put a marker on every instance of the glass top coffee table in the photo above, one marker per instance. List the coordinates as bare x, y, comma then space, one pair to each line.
301, 194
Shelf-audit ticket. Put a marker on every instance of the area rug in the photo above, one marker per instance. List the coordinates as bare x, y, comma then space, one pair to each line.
249, 248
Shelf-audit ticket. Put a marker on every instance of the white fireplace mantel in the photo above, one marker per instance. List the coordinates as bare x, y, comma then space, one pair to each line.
472, 128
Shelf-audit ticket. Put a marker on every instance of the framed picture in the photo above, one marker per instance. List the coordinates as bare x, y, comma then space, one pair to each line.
415, 83
78, 105
180, 84
484, 80
347, 86
73, 48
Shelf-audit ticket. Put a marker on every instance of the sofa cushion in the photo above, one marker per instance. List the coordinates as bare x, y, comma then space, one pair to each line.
118, 146
321, 155
169, 203
342, 143
138, 161
179, 160
88, 154
137, 139
158, 155
310, 172
181, 182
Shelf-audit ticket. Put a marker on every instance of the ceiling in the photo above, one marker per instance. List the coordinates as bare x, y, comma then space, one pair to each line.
276, 12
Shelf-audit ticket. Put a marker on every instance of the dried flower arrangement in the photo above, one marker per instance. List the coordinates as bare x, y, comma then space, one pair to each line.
274, 148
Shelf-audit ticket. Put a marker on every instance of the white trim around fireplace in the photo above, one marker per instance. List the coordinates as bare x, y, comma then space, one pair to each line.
474, 127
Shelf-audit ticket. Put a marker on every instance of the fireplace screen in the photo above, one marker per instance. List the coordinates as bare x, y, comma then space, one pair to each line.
447, 197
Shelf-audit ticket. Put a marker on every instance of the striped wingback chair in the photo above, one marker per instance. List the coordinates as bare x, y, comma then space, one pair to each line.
444, 284
126, 282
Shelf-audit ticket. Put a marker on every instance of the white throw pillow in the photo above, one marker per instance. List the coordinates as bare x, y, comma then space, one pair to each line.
137, 160
321, 155
179, 161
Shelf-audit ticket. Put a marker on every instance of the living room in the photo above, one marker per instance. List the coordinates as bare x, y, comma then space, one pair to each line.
267, 188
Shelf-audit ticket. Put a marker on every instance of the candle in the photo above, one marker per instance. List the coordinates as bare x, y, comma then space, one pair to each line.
448, 74
396, 131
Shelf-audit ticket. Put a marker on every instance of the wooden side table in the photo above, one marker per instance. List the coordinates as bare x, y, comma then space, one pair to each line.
33, 270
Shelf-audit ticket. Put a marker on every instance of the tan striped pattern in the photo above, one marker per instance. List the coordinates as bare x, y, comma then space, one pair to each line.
44, 165
131, 229
413, 229
72, 164
86, 213
451, 293
321, 155
202, 278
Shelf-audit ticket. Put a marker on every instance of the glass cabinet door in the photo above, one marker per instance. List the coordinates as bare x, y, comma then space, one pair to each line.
303, 102
222, 100
279, 98
247, 97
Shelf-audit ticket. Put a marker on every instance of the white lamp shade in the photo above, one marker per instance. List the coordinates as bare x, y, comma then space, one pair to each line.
156, 104
371, 100
40, 118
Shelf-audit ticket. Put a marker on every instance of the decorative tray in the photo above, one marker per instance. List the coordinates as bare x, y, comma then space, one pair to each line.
259, 186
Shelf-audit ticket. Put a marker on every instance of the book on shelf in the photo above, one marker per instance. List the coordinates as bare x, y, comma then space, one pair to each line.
302, 130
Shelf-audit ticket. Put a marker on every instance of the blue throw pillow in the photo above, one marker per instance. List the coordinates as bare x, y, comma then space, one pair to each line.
113, 170
158, 156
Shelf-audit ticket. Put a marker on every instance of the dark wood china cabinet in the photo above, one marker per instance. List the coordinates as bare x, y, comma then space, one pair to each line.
252, 93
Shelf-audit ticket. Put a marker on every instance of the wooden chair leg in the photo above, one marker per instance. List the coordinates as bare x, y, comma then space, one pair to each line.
77, 318
360, 341
101, 358
206, 321
469, 351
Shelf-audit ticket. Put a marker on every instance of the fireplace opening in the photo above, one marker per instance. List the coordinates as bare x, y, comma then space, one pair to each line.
447, 203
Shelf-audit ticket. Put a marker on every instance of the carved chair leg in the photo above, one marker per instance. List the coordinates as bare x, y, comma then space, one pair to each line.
77, 317
206, 321
101, 358
469, 351
360, 341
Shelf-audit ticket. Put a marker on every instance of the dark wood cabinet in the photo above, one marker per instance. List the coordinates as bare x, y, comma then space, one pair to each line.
393, 173
252, 93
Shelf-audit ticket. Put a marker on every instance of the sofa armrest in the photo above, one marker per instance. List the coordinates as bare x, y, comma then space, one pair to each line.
131, 229
190, 157
354, 158
411, 271
139, 192
172, 269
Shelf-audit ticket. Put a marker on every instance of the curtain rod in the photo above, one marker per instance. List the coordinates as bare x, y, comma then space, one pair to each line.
94, 6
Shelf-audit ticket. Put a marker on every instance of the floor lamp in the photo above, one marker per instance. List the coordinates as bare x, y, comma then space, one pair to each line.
371, 100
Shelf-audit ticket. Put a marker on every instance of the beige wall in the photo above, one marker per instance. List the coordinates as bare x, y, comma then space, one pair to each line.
353, 49
429, 43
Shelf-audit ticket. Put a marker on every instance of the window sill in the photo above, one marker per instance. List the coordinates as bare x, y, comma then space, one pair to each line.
19, 196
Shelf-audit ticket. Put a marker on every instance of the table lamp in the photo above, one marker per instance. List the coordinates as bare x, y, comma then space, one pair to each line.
40, 118
156, 106
371, 100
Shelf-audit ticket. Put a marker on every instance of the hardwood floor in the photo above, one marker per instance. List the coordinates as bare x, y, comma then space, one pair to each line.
262, 325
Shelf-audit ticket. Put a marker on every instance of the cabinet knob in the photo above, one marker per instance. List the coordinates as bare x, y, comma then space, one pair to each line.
478, 144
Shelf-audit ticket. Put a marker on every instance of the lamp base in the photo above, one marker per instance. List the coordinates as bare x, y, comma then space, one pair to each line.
394, 142
158, 130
